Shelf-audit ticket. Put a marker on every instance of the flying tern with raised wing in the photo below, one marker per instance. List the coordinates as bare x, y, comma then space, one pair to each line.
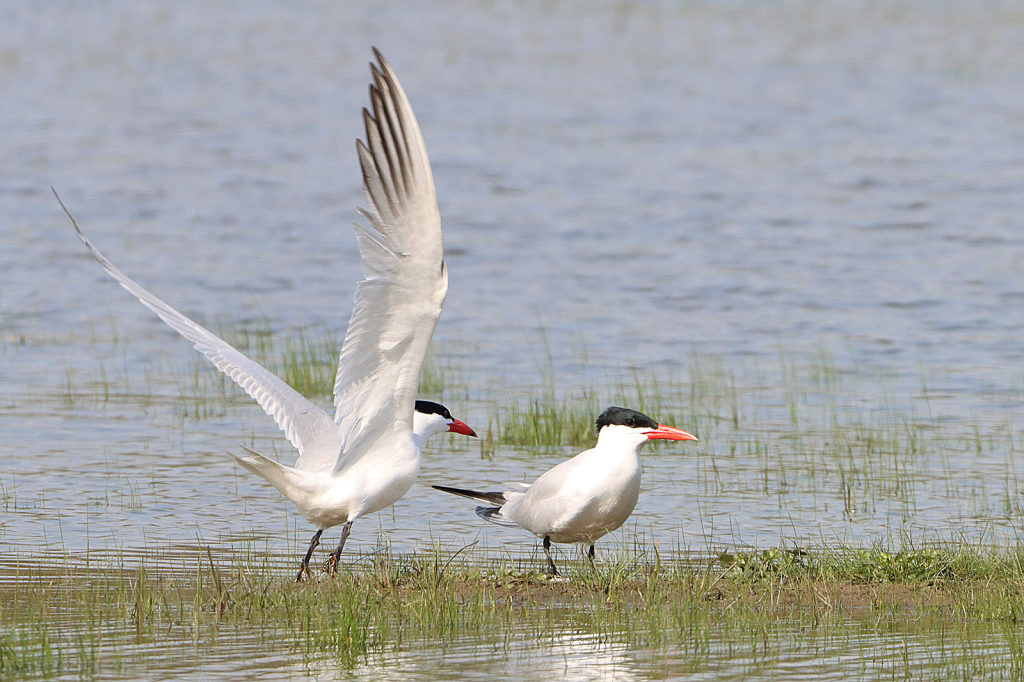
586, 497
366, 457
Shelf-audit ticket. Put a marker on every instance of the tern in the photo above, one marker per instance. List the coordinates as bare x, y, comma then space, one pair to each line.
367, 457
586, 497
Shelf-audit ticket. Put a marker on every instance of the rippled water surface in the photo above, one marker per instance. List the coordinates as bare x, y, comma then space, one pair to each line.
649, 187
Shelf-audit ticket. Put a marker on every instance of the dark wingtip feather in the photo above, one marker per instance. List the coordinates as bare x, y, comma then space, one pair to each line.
492, 497
382, 73
486, 513
493, 514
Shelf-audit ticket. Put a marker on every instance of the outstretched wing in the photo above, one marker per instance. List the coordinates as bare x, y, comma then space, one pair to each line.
308, 427
398, 303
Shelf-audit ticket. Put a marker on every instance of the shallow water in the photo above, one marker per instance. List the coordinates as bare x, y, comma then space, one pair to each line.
551, 642
622, 185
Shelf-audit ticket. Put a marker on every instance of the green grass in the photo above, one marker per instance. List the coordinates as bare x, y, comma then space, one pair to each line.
944, 562
697, 612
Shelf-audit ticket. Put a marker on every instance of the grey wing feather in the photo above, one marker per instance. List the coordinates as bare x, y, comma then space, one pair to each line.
493, 514
398, 303
308, 427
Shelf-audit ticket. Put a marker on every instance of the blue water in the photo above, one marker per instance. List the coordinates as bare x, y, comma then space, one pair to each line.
622, 184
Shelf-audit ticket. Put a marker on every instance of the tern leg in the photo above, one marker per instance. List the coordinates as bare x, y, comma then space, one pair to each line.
332, 562
551, 562
304, 571
590, 554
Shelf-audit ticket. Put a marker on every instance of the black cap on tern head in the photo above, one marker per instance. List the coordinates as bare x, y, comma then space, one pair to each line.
623, 416
428, 407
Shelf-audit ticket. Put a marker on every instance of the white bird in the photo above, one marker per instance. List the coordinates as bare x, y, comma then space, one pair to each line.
586, 497
366, 457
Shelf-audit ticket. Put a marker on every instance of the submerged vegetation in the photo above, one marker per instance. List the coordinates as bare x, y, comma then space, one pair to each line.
806, 424
690, 614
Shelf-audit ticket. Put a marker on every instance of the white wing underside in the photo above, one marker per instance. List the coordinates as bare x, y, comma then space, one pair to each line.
308, 427
396, 306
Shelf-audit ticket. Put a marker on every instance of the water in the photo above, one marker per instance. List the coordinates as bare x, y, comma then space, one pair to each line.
622, 184
563, 643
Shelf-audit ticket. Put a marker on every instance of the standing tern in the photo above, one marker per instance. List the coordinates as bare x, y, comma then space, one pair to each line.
368, 456
586, 497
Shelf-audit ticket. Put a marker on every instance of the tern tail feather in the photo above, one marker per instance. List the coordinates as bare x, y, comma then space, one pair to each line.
285, 478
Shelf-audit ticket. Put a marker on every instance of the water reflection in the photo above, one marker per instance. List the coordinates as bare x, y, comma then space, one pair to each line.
572, 656
826, 646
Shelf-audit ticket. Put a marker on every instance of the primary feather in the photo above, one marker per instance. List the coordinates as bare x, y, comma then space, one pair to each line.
398, 305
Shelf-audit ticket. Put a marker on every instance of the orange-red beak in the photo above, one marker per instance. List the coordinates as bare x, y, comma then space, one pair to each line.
664, 432
455, 426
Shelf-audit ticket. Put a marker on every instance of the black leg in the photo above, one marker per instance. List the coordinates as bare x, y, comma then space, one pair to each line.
551, 562
590, 554
332, 562
304, 571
